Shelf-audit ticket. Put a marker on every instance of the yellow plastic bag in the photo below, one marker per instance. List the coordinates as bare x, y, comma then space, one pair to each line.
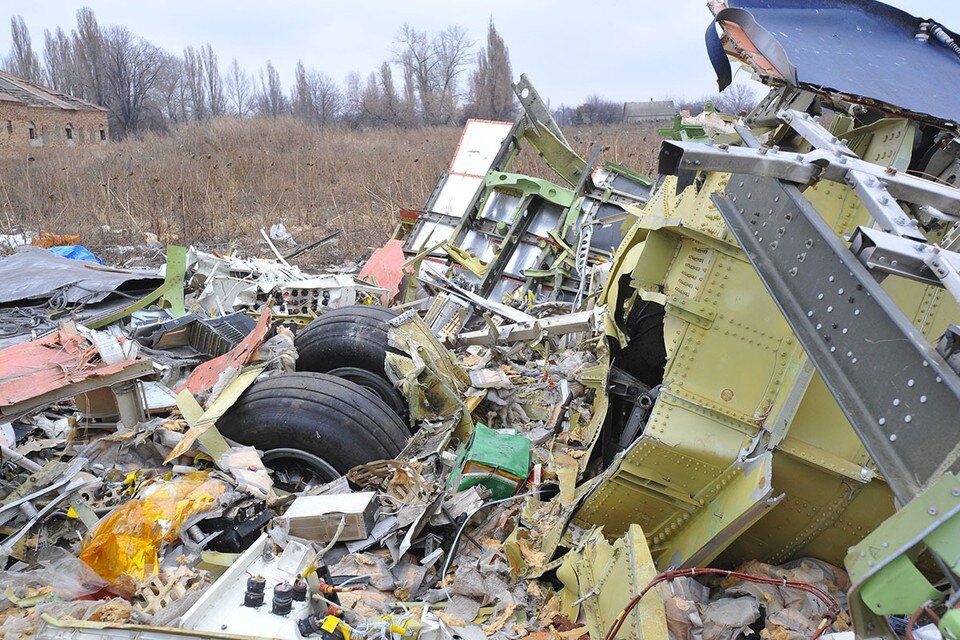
124, 548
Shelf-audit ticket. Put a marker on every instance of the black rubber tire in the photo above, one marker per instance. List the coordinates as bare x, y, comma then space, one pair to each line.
295, 470
329, 417
354, 336
378, 385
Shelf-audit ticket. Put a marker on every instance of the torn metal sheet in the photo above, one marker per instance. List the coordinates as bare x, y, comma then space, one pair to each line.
385, 268
229, 284
205, 376
678, 257
747, 494
33, 273
480, 143
581, 321
57, 366
599, 578
171, 291
866, 50
202, 424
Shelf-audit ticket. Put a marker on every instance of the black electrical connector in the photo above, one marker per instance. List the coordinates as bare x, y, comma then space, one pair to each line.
309, 625
282, 599
253, 597
300, 589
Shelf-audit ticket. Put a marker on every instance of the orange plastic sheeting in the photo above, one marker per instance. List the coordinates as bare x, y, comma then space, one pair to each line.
40, 366
47, 240
125, 546
206, 375
385, 268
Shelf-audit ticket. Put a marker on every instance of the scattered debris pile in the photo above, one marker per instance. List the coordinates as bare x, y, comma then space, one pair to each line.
542, 410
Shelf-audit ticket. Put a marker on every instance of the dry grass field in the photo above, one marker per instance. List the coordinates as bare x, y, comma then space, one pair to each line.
222, 180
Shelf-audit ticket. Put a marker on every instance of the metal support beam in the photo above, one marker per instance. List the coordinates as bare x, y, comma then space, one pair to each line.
522, 331
810, 130
876, 187
898, 393
804, 169
888, 253
884, 209
946, 266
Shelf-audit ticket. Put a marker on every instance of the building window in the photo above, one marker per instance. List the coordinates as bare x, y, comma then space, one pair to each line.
69, 133
36, 135
103, 134
9, 126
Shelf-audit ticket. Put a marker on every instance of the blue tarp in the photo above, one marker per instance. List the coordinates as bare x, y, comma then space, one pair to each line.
76, 252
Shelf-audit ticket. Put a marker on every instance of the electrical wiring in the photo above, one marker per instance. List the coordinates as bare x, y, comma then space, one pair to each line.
456, 538
912, 622
833, 607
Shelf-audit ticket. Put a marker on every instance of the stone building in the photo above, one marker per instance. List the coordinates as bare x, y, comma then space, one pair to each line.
655, 111
34, 116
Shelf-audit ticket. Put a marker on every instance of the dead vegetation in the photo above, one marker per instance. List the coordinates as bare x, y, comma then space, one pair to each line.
220, 181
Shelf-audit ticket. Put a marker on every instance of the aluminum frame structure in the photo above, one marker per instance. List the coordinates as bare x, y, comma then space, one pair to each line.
517, 238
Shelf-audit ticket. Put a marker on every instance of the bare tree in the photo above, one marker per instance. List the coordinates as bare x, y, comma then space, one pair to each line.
270, 100
239, 88
147, 87
432, 67
23, 60
61, 71
564, 115
597, 110
391, 109
326, 97
736, 99
196, 83
91, 56
353, 99
419, 63
133, 67
171, 90
409, 94
491, 93
452, 49
315, 98
371, 103
216, 99
302, 98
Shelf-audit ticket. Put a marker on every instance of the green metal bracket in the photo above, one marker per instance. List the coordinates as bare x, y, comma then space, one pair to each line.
628, 173
171, 290
883, 567
556, 154
680, 228
465, 259
527, 186
684, 132
572, 215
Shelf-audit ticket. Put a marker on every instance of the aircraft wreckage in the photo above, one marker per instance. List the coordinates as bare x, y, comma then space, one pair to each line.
595, 405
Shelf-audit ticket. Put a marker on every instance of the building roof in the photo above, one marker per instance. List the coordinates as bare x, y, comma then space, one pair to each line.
14, 89
649, 109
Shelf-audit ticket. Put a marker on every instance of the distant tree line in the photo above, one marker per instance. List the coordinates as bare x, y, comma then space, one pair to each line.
431, 79
735, 99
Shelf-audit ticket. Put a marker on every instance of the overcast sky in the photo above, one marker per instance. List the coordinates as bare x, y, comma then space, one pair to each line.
623, 50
